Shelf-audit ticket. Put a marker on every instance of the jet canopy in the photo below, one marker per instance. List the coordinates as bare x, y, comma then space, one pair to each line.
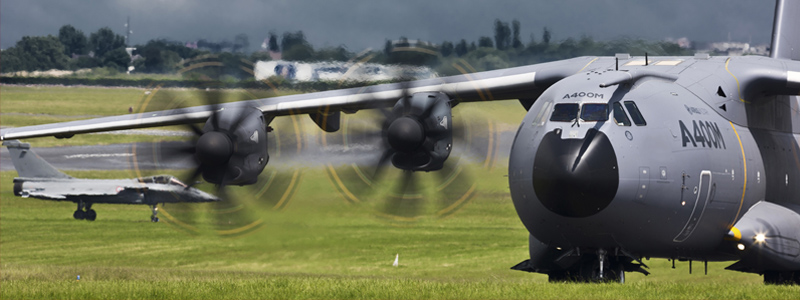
163, 179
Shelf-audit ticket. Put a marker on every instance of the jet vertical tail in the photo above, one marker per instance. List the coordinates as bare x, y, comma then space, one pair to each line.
786, 30
30, 165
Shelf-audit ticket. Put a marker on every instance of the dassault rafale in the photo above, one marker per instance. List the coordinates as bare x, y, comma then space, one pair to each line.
617, 160
39, 179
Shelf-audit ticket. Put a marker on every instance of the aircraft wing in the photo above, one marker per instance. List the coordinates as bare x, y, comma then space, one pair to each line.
48, 196
525, 82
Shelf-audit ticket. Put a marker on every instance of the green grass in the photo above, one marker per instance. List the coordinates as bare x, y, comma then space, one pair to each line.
319, 246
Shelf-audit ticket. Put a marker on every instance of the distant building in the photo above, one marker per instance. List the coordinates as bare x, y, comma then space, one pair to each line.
738, 49
331, 71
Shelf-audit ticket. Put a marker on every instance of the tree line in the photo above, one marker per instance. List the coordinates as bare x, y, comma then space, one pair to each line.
72, 49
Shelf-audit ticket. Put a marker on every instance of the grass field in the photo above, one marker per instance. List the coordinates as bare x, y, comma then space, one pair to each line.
318, 246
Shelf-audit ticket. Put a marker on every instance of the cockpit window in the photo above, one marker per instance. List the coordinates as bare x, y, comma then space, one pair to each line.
619, 115
594, 112
565, 112
162, 179
541, 117
637, 117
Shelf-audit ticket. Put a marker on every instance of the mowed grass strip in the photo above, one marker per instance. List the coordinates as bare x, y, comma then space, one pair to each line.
318, 247
230, 285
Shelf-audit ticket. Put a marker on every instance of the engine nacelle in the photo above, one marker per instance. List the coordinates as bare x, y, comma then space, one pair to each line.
233, 147
420, 130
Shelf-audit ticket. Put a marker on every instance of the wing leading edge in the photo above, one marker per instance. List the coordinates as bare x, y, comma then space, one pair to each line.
512, 83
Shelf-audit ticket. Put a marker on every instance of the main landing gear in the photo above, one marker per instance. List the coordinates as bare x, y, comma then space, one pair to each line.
154, 217
782, 277
601, 266
85, 212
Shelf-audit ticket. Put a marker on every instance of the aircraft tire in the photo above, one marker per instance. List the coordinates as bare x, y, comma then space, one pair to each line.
777, 277
91, 215
79, 215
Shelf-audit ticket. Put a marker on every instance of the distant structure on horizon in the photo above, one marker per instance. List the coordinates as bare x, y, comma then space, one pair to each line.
722, 48
334, 71
739, 49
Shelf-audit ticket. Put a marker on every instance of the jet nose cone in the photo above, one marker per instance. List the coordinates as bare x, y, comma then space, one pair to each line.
575, 177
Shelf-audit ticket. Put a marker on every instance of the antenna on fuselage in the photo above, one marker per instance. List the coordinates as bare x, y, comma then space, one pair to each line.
616, 63
646, 61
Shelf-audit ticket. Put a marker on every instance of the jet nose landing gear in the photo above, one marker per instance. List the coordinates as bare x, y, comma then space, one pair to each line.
154, 217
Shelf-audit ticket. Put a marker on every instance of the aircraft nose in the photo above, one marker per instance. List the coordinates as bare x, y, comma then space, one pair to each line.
575, 177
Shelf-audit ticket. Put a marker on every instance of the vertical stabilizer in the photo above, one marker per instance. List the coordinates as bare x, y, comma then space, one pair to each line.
786, 30
30, 165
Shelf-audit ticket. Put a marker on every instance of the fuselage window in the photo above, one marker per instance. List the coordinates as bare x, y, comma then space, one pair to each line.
619, 115
565, 112
637, 117
594, 112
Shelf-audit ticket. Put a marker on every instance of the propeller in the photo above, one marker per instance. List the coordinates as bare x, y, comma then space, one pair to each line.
229, 154
403, 157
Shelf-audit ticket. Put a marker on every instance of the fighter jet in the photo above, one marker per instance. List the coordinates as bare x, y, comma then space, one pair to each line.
618, 159
39, 179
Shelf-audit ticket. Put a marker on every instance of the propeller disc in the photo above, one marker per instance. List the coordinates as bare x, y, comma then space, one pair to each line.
207, 154
396, 195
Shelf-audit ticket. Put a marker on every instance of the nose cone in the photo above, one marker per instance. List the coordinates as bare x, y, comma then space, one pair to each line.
214, 148
406, 134
575, 177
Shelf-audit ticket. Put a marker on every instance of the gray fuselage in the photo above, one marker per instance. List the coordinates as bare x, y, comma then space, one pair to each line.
672, 185
111, 191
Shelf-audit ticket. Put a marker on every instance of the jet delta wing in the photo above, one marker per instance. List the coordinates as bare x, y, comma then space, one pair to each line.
38, 179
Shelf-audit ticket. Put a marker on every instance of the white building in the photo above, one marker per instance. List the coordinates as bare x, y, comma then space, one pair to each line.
334, 71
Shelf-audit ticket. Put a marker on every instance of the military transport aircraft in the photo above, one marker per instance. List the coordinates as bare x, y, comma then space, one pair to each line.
38, 179
618, 158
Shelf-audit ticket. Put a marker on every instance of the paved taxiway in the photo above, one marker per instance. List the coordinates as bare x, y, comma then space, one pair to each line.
148, 156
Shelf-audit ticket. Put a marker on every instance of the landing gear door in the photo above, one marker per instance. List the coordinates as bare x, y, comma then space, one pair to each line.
702, 193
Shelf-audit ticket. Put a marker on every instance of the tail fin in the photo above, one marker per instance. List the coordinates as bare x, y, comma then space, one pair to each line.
786, 30
30, 165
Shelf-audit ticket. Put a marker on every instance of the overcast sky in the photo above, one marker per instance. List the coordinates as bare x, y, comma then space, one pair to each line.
368, 23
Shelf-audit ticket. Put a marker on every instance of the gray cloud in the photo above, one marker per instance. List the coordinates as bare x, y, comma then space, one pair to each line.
361, 24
